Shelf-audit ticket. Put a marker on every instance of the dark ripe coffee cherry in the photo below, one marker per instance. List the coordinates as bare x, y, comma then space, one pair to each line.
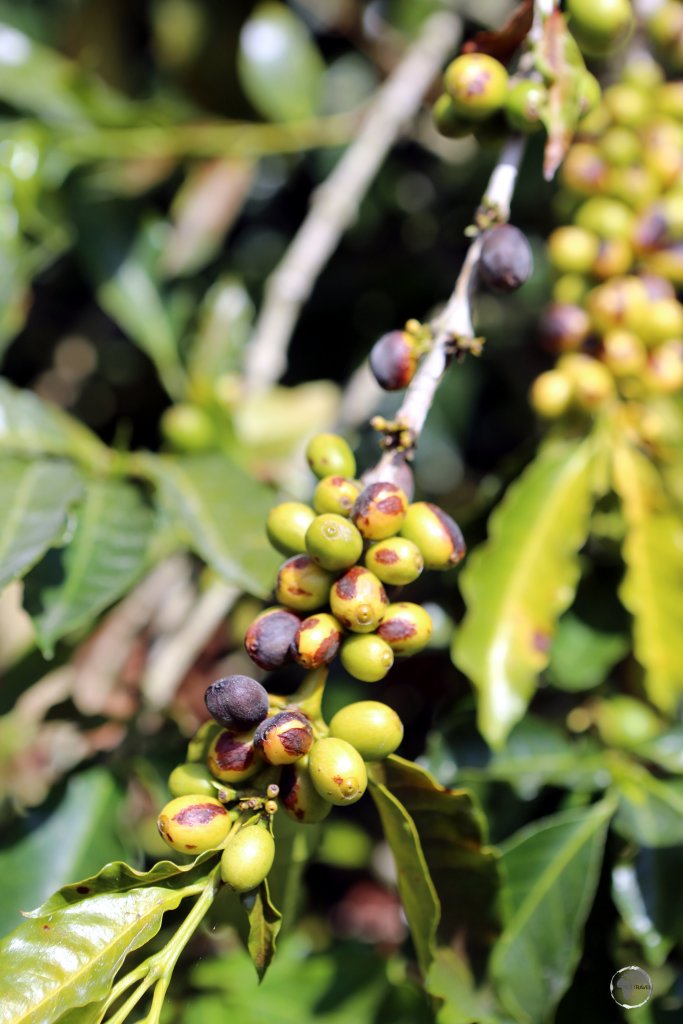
448, 121
438, 537
573, 250
232, 757
302, 585
396, 561
247, 858
393, 360
191, 779
551, 394
358, 600
564, 327
477, 84
524, 104
336, 494
317, 641
268, 638
366, 657
337, 771
193, 823
374, 729
286, 526
505, 261
284, 738
379, 511
198, 747
237, 702
600, 26
406, 627
299, 797
330, 455
333, 542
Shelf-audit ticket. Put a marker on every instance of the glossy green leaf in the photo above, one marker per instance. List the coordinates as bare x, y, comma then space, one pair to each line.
105, 555
650, 809
222, 512
450, 981
264, 924
29, 426
630, 902
51, 964
652, 589
582, 656
92, 1013
225, 321
35, 498
552, 869
519, 582
665, 750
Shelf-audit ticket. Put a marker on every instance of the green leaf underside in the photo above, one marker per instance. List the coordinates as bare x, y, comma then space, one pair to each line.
518, 583
650, 810
264, 924
52, 964
35, 498
102, 560
552, 870
223, 512
652, 589
29, 426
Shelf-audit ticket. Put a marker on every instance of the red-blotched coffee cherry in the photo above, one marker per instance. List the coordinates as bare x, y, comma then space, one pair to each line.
524, 105
232, 757
330, 455
337, 771
336, 494
396, 561
299, 797
366, 657
505, 261
193, 823
269, 637
374, 729
379, 511
600, 26
237, 702
621, 302
393, 360
406, 627
247, 858
564, 327
302, 585
333, 542
317, 641
284, 738
438, 537
477, 84
551, 394
585, 171
358, 600
286, 526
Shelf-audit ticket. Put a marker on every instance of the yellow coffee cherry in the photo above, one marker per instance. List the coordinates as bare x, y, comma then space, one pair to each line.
551, 394
232, 757
373, 728
336, 494
593, 382
284, 738
665, 369
379, 511
623, 352
337, 771
406, 627
330, 455
358, 600
302, 585
247, 858
573, 250
622, 302
193, 823
317, 640
438, 537
396, 561
366, 657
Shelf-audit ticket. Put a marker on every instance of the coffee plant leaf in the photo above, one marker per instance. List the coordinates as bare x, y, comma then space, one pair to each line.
582, 656
92, 1013
629, 899
105, 555
552, 869
36, 498
517, 584
68, 958
450, 981
29, 426
264, 924
650, 810
651, 589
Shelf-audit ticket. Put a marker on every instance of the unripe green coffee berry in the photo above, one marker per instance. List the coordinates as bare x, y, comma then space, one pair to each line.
438, 537
269, 637
607, 218
333, 542
232, 757
286, 526
336, 494
198, 747
477, 84
665, 28
448, 121
337, 771
379, 510
188, 427
317, 641
193, 823
600, 26
330, 455
284, 738
396, 561
620, 146
524, 105
299, 797
406, 627
573, 250
358, 600
551, 394
628, 105
374, 729
589, 93
302, 585
366, 657
237, 702
191, 779
247, 858
621, 302
593, 382
570, 288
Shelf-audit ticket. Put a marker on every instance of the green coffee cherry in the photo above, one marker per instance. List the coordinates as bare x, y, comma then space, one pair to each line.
286, 526
358, 600
237, 702
336, 494
406, 627
284, 738
592, 382
302, 585
573, 250
269, 637
198, 747
448, 121
366, 657
330, 455
551, 394
600, 26
438, 537
193, 823
337, 771
396, 561
477, 84
247, 858
299, 797
232, 757
188, 427
317, 641
374, 729
191, 779
524, 104
379, 511
607, 218
333, 542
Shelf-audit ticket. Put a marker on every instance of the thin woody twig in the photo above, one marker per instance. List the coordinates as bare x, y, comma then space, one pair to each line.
335, 203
